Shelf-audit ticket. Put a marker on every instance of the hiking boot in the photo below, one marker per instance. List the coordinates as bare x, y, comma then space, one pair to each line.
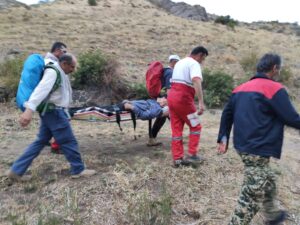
195, 159
17, 178
279, 219
84, 173
180, 162
152, 142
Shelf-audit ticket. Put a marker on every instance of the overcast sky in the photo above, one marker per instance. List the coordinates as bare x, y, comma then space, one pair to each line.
254, 10
30, 2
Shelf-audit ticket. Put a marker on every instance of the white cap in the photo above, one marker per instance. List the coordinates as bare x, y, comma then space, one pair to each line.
174, 57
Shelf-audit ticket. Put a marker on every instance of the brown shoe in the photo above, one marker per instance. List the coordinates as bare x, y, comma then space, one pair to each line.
17, 178
153, 142
84, 173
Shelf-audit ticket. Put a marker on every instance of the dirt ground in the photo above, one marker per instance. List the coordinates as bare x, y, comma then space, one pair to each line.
133, 182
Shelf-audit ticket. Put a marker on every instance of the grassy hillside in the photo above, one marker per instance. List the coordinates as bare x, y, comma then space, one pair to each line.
137, 32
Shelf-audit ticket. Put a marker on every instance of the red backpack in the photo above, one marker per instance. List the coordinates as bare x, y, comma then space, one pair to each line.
153, 78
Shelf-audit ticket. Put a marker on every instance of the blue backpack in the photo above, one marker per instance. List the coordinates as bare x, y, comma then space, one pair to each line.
31, 75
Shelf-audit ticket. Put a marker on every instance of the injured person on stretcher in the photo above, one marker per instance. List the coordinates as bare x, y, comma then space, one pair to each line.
142, 109
147, 109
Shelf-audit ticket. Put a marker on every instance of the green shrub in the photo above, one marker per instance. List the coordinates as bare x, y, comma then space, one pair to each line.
217, 88
10, 73
91, 70
139, 91
92, 2
226, 20
100, 72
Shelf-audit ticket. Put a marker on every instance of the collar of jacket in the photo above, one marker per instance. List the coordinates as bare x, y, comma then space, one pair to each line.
260, 75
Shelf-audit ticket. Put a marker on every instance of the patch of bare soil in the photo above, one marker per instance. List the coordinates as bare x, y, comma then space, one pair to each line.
135, 184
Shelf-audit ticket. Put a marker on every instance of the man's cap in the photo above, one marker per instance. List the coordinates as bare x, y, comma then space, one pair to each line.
174, 57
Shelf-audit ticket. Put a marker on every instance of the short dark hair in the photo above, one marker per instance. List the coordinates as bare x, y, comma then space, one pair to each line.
199, 49
68, 58
57, 45
267, 62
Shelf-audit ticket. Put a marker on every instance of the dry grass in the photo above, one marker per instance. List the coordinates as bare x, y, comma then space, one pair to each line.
135, 184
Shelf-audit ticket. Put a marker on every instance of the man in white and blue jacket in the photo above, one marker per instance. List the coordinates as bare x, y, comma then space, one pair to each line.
258, 109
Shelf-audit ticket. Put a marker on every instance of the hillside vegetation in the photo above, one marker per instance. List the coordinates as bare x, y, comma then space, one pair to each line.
137, 32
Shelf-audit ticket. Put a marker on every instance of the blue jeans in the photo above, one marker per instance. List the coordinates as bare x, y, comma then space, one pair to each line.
53, 124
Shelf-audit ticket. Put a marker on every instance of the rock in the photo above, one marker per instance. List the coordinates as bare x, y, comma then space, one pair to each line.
13, 52
4, 4
183, 10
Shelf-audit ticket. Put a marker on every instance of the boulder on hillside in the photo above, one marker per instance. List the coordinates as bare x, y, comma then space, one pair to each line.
4, 4
182, 9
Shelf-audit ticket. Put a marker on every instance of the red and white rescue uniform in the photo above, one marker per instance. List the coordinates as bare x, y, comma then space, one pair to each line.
181, 104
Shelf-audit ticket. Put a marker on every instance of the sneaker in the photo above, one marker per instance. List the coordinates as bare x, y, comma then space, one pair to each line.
152, 142
279, 219
17, 178
84, 173
195, 159
180, 162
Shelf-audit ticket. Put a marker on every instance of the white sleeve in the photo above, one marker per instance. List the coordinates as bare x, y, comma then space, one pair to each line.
195, 70
42, 90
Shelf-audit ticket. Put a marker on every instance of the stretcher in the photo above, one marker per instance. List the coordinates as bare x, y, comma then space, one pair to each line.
109, 114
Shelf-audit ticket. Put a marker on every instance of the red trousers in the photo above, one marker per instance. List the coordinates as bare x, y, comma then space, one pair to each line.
181, 104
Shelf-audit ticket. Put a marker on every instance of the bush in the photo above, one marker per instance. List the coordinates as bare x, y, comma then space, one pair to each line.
10, 73
91, 70
226, 20
100, 72
92, 2
139, 91
217, 88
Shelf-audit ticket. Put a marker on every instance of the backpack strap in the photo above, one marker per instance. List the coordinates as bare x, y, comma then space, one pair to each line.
58, 77
43, 107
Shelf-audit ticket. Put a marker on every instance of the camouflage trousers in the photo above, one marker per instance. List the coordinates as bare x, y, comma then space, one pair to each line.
258, 191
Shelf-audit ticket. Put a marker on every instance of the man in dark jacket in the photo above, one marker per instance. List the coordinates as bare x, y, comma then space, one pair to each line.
258, 109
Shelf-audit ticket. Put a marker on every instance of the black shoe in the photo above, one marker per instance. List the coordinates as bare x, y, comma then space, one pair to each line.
180, 162
195, 159
279, 219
